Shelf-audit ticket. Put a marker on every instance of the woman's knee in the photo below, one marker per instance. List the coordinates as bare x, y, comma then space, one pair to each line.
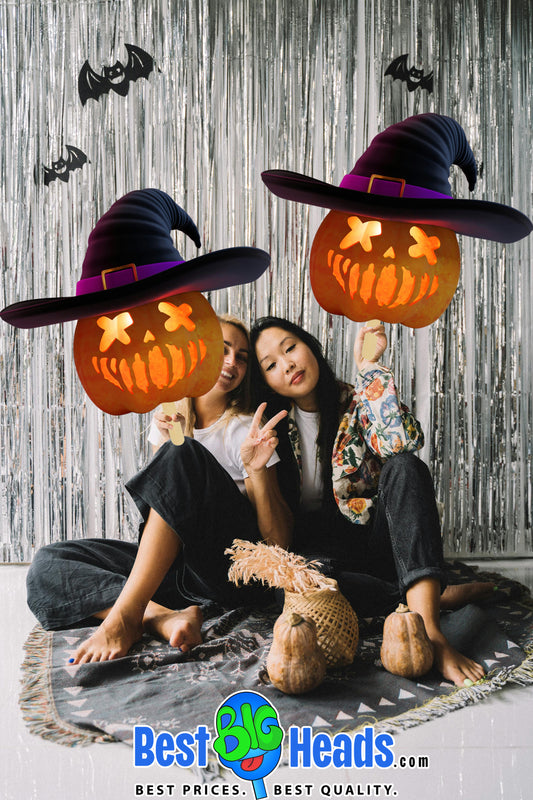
46, 560
189, 462
406, 466
40, 576
47, 556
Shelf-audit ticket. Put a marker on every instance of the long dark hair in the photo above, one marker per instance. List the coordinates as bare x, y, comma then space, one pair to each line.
328, 391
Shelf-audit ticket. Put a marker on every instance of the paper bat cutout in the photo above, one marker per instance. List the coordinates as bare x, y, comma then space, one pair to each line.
116, 78
413, 77
61, 169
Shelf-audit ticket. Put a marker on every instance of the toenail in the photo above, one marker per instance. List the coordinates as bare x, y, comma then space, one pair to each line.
468, 682
71, 661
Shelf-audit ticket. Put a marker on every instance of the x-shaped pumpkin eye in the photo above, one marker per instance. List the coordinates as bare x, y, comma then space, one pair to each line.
114, 329
361, 232
425, 245
177, 316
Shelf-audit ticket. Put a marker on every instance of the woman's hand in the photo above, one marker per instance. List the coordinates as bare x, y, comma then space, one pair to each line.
260, 443
380, 339
164, 423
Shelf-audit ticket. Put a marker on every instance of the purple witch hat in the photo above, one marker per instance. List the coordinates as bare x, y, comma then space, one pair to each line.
403, 176
131, 259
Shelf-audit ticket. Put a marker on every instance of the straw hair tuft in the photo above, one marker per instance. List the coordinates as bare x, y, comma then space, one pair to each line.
274, 566
307, 592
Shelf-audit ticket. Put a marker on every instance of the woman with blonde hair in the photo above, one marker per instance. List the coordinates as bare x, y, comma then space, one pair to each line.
230, 396
194, 499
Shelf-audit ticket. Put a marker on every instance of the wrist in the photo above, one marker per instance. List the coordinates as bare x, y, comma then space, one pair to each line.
365, 365
255, 473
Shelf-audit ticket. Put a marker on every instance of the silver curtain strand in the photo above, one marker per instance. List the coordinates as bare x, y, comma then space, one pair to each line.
244, 86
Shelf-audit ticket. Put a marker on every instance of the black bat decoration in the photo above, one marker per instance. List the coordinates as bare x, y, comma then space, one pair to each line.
116, 78
61, 169
413, 77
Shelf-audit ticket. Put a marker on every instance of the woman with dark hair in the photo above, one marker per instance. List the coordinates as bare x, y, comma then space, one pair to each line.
363, 503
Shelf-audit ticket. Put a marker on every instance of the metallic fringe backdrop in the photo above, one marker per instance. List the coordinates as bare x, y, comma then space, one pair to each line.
241, 86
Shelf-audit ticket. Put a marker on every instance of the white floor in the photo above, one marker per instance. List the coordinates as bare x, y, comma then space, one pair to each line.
484, 752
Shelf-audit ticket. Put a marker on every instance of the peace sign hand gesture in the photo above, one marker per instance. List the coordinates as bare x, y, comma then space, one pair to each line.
260, 443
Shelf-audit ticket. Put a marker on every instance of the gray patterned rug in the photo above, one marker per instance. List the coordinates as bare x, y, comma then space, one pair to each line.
158, 686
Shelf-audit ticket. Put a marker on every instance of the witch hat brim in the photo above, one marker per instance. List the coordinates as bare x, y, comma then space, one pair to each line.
131, 260
478, 218
217, 270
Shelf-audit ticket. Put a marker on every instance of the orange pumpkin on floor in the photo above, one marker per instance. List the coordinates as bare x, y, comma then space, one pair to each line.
161, 351
406, 649
367, 268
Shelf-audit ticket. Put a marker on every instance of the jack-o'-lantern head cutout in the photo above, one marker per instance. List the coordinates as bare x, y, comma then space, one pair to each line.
161, 351
146, 335
393, 271
388, 248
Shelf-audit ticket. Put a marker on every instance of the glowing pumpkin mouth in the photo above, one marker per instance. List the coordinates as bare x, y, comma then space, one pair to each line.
383, 269
157, 352
155, 368
389, 285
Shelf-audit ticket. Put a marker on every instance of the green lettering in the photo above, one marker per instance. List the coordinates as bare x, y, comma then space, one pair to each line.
271, 738
236, 731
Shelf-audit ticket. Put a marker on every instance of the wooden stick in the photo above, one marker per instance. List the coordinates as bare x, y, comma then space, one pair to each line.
176, 431
369, 344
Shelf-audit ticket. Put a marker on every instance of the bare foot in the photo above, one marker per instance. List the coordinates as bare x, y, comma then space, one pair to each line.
462, 593
111, 640
181, 629
453, 665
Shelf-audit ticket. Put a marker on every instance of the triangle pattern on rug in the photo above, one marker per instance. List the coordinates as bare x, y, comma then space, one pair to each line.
342, 715
404, 694
74, 690
72, 669
71, 639
319, 722
82, 713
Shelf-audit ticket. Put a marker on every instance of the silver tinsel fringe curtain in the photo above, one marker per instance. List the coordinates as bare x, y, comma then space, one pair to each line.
241, 86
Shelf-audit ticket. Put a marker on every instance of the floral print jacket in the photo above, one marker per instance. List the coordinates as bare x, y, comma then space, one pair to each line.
375, 427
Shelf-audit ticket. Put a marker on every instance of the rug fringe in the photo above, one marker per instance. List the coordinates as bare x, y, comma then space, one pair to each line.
36, 700
521, 675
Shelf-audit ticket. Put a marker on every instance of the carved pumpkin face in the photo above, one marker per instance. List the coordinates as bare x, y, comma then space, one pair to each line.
393, 271
162, 351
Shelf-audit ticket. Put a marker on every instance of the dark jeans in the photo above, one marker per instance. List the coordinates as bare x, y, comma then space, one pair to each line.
70, 581
375, 564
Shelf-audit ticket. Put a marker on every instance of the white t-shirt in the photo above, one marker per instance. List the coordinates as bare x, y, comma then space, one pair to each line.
307, 423
223, 439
